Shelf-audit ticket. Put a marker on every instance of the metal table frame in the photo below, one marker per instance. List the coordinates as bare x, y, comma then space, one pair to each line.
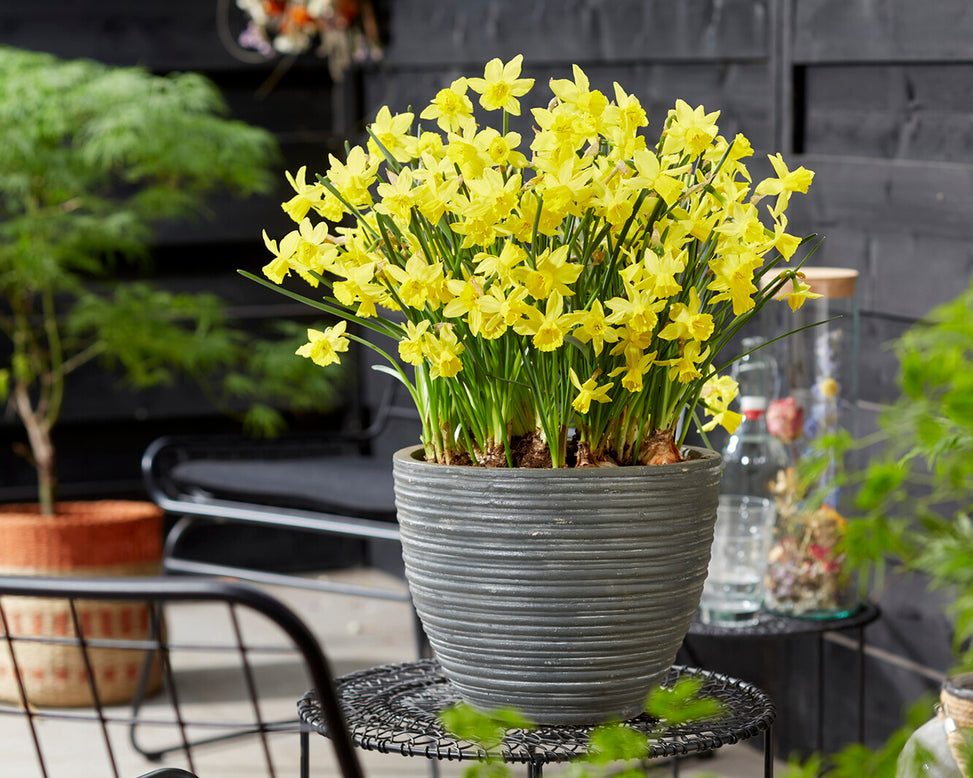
771, 625
394, 709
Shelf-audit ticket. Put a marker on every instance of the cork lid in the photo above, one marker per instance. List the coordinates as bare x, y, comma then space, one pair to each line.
831, 283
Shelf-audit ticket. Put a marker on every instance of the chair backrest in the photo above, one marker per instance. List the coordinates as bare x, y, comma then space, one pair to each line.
220, 661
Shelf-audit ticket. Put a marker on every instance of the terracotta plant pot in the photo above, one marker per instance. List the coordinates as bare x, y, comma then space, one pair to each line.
98, 538
564, 593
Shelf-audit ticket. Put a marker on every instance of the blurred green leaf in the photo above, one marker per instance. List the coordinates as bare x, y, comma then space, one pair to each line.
485, 728
682, 703
617, 742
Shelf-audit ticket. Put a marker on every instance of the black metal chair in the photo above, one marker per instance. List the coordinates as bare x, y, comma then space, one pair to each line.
192, 668
339, 486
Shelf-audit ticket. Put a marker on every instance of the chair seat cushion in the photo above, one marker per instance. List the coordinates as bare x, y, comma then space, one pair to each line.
347, 485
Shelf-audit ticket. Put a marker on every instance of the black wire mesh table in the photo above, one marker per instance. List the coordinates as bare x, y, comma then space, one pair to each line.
395, 709
770, 625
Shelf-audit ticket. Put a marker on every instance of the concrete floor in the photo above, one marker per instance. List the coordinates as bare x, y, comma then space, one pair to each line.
356, 632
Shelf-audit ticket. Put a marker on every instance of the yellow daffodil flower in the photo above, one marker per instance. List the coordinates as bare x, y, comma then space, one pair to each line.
397, 197
418, 282
308, 195
468, 152
800, 292
690, 130
637, 364
501, 266
686, 367
588, 392
392, 132
554, 273
559, 138
444, 352
465, 295
784, 243
591, 326
281, 264
353, 177
501, 85
323, 348
501, 148
686, 322
626, 111
412, 346
716, 395
734, 280
587, 103
450, 107
314, 254
549, 328
651, 175
615, 204
358, 287
501, 308
787, 181
639, 311
661, 271
743, 224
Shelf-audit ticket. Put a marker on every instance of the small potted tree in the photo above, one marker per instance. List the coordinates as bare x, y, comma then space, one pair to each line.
90, 157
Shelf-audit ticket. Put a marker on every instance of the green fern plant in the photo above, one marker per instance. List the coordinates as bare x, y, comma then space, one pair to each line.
91, 158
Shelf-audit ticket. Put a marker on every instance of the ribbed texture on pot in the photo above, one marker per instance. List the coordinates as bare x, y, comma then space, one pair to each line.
564, 593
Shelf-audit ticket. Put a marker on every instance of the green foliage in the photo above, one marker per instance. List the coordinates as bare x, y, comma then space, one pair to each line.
609, 744
918, 494
682, 703
274, 378
91, 157
857, 760
486, 729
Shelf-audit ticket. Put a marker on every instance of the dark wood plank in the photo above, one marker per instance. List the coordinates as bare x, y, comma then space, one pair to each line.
577, 31
889, 31
888, 196
919, 112
159, 34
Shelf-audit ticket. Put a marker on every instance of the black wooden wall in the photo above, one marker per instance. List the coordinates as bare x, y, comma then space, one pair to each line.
876, 96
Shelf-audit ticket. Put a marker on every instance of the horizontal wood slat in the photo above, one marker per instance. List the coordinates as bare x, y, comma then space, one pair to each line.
474, 31
909, 111
896, 196
886, 31
904, 225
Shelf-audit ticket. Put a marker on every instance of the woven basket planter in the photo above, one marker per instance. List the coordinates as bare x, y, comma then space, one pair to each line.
564, 593
956, 704
98, 538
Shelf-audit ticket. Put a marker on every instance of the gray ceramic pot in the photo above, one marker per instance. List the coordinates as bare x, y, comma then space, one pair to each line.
563, 593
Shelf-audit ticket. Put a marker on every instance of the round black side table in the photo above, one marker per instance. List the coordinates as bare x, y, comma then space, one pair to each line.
770, 625
395, 709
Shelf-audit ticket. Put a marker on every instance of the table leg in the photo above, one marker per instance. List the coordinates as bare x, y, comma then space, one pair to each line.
535, 769
305, 754
769, 752
821, 692
861, 684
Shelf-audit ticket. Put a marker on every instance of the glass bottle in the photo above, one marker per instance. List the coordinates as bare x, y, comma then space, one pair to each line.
753, 459
807, 575
752, 462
